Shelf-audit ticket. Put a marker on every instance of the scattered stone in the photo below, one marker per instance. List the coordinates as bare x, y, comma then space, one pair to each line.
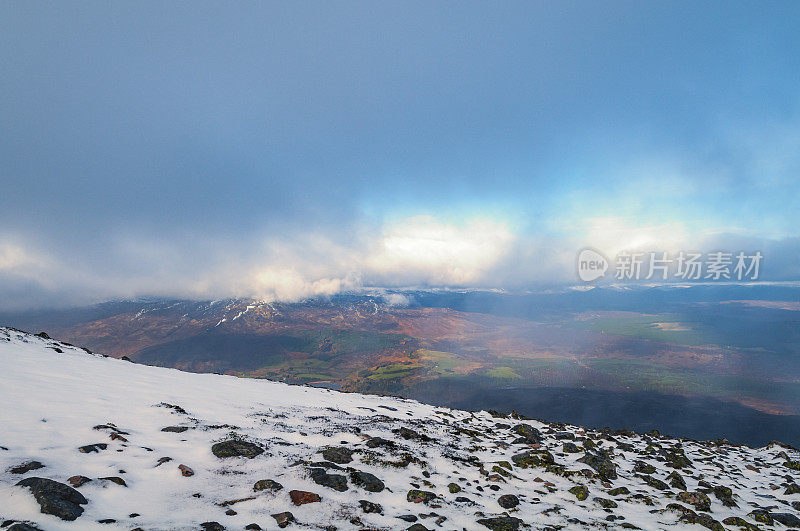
700, 501
338, 454
527, 434
163, 460
107, 521
454, 488
787, 519
300, 497
377, 442
655, 482
508, 501
407, 433
55, 498
175, 429
725, 495
420, 496
571, 448
115, 479
285, 518
643, 468
236, 448
741, 523
267, 484
333, 481
605, 503
501, 523
370, 507
602, 464
26, 467
253, 527
212, 526
92, 448
366, 481
676, 481
619, 491
186, 471
77, 481
580, 492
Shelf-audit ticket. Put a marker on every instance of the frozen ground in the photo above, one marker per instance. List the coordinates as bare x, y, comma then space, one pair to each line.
437, 468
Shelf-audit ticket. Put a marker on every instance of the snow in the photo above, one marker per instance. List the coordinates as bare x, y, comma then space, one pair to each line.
50, 402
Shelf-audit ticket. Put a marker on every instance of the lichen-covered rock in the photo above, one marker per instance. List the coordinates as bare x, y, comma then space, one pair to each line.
366, 481
508, 501
55, 498
267, 484
605, 503
527, 434
420, 496
580, 491
601, 462
338, 454
370, 507
698, 500
501, 523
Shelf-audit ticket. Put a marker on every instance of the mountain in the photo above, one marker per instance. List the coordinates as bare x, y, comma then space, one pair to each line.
700, 361
90, 442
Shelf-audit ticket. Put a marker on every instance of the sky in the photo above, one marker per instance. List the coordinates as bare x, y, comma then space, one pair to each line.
282, 150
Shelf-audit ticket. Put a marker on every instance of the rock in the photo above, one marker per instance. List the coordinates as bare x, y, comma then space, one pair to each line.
508, 501
741, 523
407, 433
408, 518
26, 467
676, 481
163, 460
236, 448
643, 468
267, 484
366, 481
700, 501
175, 429
253, 527
376, 442
654, 482
107, 521
725, 495
580, 492
527, 434
571, 448
77, 481
285, 518
92, 448
338, 454
501, 523
115, 479
533, 458
605, 503
619, 491
703, 519
454, 488
762, 516
787, 519
55, 498
792, 488
417, 496
370, 507
417, 527
300, 497
186, 471
602, 464
212, 526
21, 526
333, 481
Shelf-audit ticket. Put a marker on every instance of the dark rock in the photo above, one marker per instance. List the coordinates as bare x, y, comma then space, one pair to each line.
643, 468
212, 526
55, 498
231, 512
376, 442
333, 481
366, 481
299, 497
508, 501
163, 460
175, 429
26, 467
527, 434
21, 526
787, 519
571, 448
338, 454
741, 523
676, 481
408, 518
454, 488
267, 484
92, 448
253, 527
533, 458
284, 519
501, 523
619, 491
186, 471
417, 527
725, 495
370, 507
236, 448
655, 482
605, 503
407, 433
602, 464
107, 521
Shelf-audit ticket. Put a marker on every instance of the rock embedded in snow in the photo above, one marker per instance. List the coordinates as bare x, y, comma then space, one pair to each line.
301, 497
236, 448
55, 498
77, 481
283, 519
267, 484
26, 467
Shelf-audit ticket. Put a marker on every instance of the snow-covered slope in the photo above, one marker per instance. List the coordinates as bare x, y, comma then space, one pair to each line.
484, 471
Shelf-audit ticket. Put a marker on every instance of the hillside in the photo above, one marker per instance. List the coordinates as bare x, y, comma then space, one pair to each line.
155, 448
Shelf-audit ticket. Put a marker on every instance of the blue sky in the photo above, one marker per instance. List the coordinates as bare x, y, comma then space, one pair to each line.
194, 148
